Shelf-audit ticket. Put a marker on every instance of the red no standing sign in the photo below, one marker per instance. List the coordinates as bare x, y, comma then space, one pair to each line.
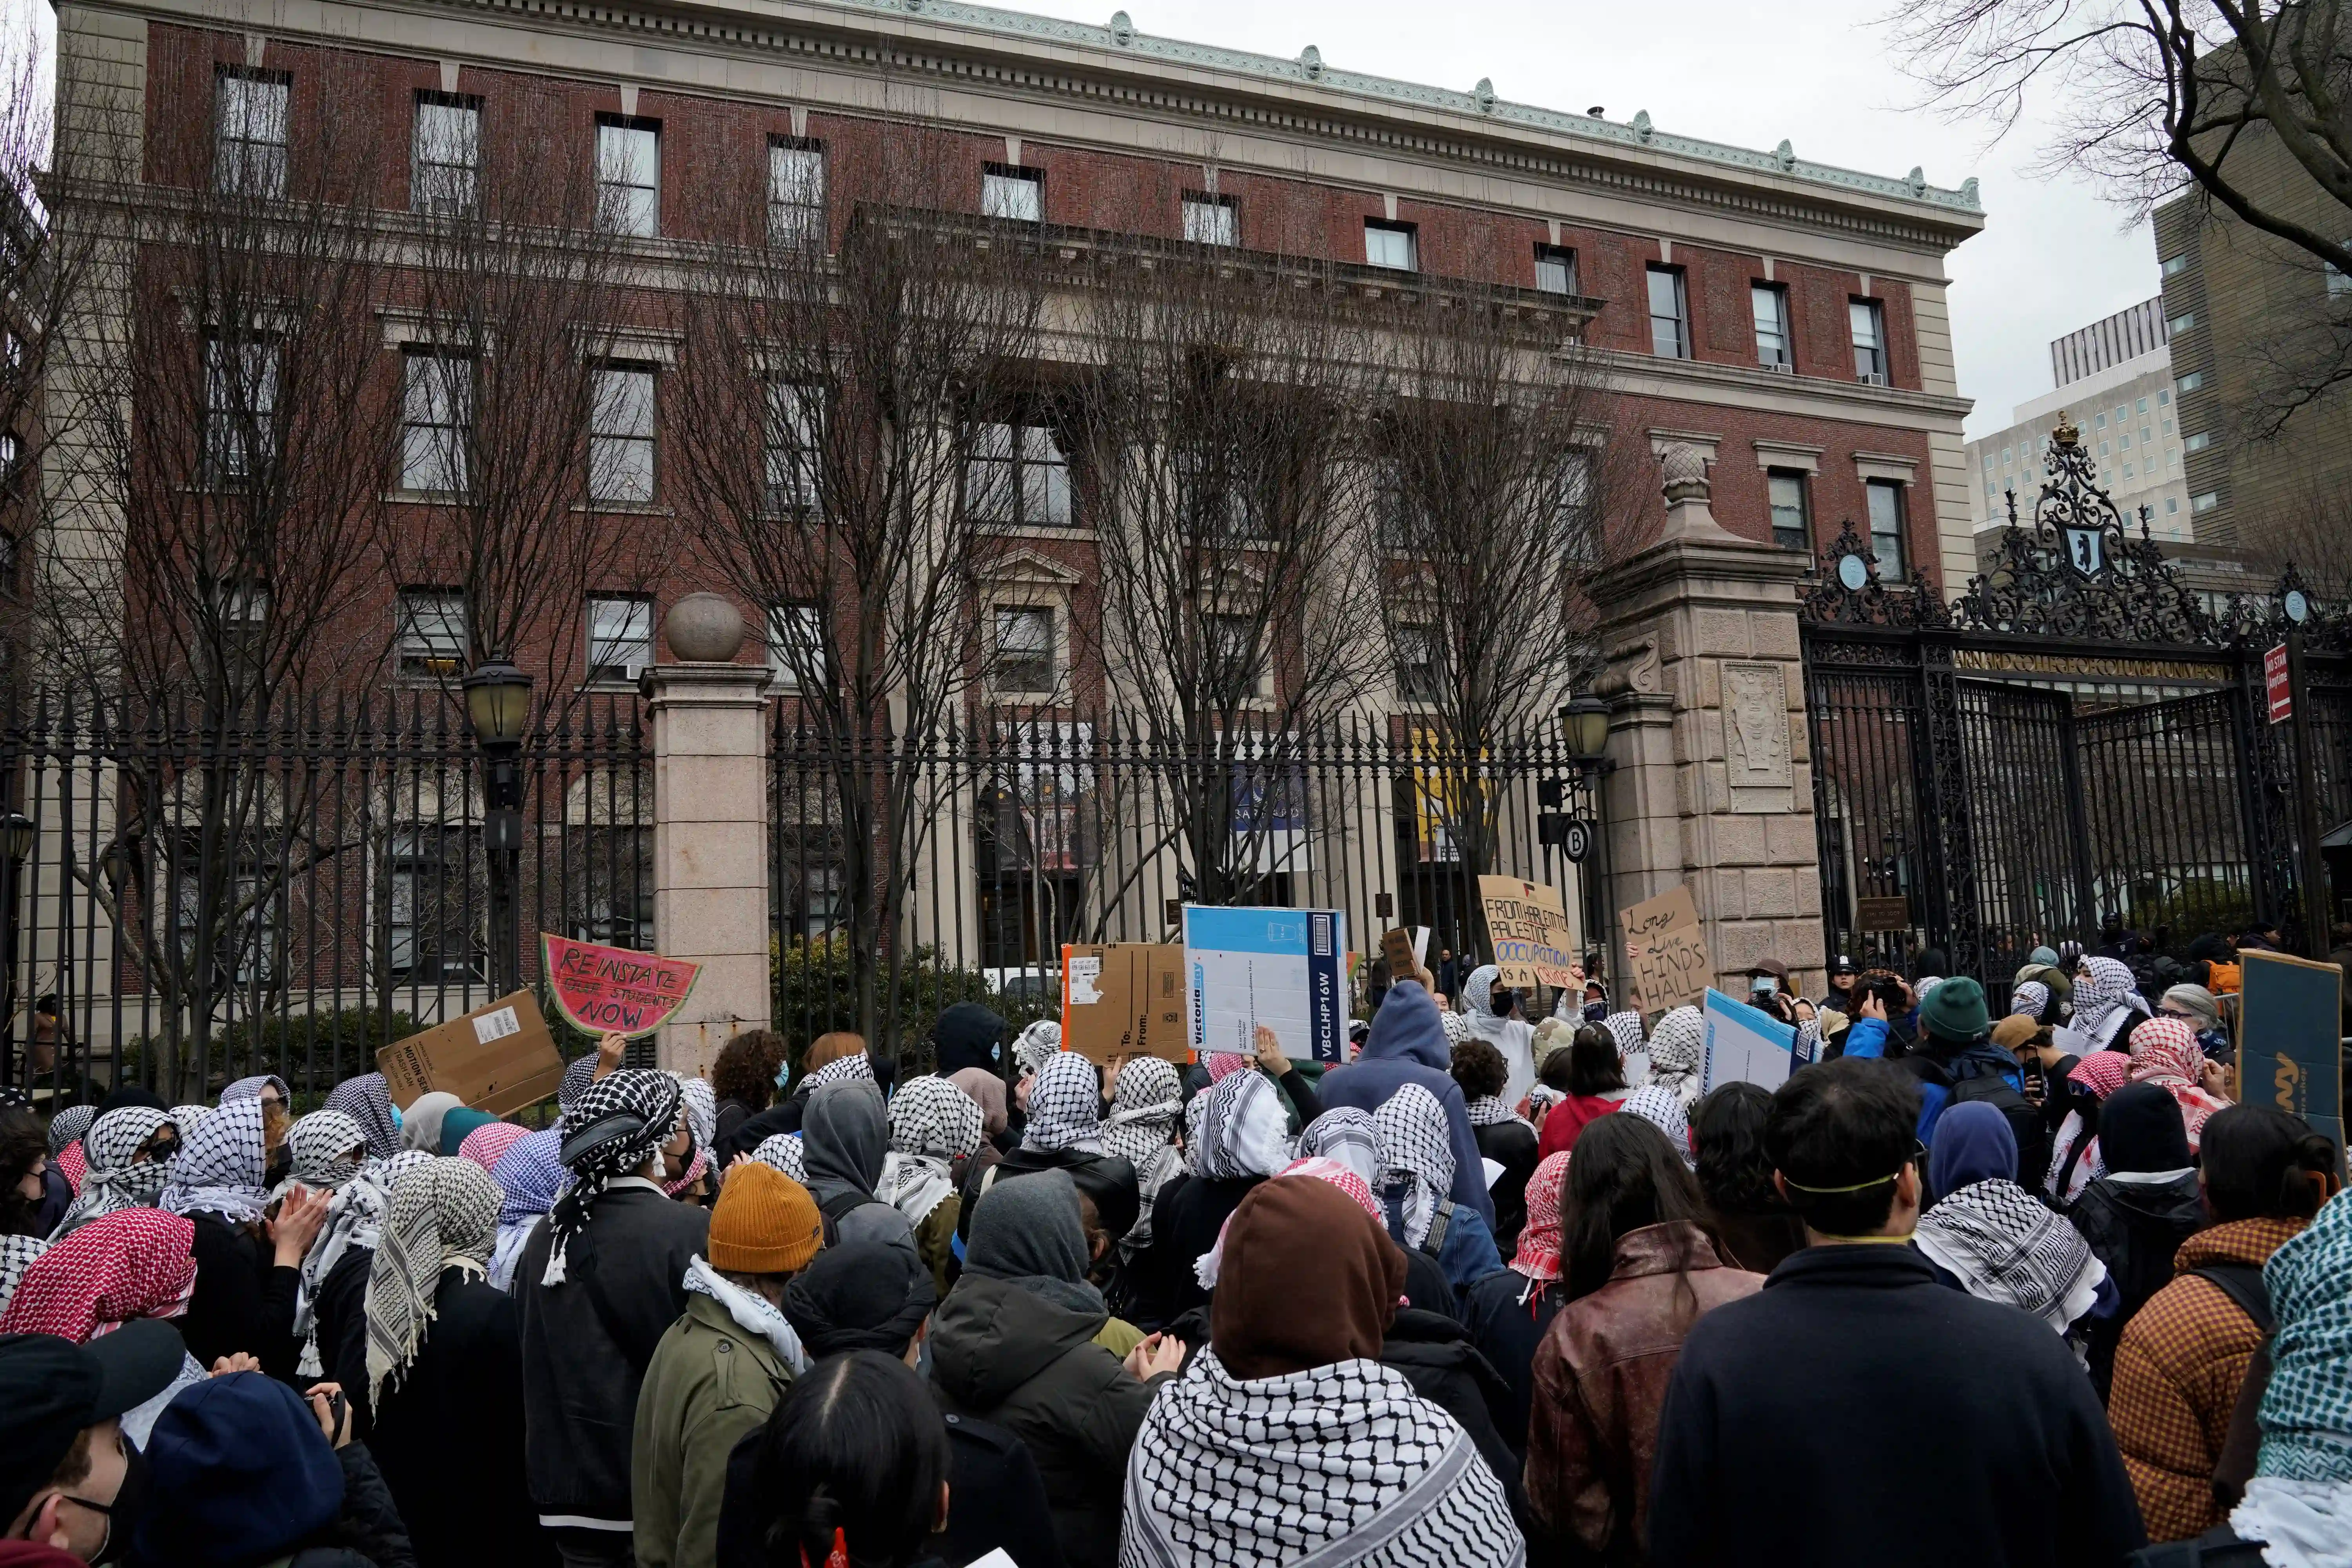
2277, 685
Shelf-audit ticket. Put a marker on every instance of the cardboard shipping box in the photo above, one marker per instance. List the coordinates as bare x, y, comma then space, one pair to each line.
1126, 999
498, 1058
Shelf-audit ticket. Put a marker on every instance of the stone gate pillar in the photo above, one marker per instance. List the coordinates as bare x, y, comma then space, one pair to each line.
710, 829
1713, 779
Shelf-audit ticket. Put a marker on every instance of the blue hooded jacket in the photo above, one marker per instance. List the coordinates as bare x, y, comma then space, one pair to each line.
1408, 1045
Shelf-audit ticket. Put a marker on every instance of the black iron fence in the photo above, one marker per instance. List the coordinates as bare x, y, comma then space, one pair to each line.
908, 873
199, 900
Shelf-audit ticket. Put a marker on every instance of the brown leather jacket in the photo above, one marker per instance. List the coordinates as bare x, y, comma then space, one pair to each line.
1601, 1376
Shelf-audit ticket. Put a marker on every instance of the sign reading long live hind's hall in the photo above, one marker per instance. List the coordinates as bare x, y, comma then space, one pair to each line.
613, 990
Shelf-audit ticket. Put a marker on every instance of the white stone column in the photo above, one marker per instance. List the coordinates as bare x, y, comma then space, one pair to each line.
1713, 782
710, 829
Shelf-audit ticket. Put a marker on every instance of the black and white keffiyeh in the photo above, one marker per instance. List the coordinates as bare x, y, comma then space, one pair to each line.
113, 1179
69, 1125
785, 1152
701, 1110
855, 1067
1486, 1110
640, 1109
443, 1212
578, 1074
1351, 1137
1035, 1047
220, 1167
251, 1088
185, 1117
2005, 1244
1337, 1465
2031, 998
1420, 1152
1145, 1100
1234, 1128
1626, 1028
931, 1117
328, 1149
1066, 1105
367, 1100
1676, 1048
1663, 1109
16, 1255
354, 1215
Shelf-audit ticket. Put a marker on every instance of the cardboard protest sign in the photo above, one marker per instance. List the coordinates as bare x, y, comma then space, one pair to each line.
1283, 969
1126, 999
2289, 1035
1666, 962
1528, 924
498, 1058
1746, 1045
615, 990
1404, 949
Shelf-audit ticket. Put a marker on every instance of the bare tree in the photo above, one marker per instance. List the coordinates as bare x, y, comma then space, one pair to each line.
1494, 455
1215, 410
220, 525
517, 288
2307, 530
845, 348
2156, 98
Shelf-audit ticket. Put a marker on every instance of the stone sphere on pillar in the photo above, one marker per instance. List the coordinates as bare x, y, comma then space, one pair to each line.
704, 628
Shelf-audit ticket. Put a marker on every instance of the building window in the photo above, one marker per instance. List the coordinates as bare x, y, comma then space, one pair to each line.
444, 154
2107, 449
2102, 423
795, 191
1555, 269
628, 177
2192, 381
250, 133
2172, 505
1867, 318
621, 437
436, 422
2122, 413
1887, 528
1017, 475
240, 408
1793, 523
2140, 407
796, 646
2004, 456
2163, 396
1669, 314
2206, 502
795, 423
1210, 219
431, 638
1017, 195
1022, 657
2174, 266
1775, 349
1392, 244
2123, 441
1416, 657
1237, 661
2128, 471
620, 638
2199, 442
2181, 324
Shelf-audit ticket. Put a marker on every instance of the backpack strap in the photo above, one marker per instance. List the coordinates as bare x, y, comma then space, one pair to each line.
2242, 1283
1435, 1242
839, 1206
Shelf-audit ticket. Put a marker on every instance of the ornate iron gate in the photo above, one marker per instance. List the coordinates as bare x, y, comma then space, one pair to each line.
2077, 736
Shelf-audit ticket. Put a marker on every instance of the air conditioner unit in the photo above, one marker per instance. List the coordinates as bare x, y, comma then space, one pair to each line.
1874, 378
1781, 367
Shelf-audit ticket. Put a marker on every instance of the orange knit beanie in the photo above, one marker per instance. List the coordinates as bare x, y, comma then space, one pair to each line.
765, 1223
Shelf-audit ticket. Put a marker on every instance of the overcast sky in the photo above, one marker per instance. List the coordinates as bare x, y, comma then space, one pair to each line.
2052, 256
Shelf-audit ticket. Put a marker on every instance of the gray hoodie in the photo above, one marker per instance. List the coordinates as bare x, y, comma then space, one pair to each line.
844, 1136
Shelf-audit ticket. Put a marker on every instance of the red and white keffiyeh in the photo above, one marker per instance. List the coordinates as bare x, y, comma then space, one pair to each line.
2165, 1052
131, 1264
1538, 1254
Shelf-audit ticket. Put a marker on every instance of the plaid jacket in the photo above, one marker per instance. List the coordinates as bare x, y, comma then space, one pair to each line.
2178, 1368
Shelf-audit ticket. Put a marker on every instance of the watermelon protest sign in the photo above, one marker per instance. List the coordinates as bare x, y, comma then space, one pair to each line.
612, 990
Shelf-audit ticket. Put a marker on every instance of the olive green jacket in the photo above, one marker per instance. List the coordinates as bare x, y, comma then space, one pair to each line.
709, 1383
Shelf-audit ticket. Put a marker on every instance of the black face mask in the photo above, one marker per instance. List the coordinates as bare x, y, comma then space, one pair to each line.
160, 1153
122, 1513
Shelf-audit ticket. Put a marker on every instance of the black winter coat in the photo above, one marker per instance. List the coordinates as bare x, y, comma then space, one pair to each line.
368, 1529
1005, 1354
1963, 1434
994, 1500
585, 1344
449, 1437
339, 1316
2134, 1227
1507, 1332
1512, 1145
243, 1301
1185, 1220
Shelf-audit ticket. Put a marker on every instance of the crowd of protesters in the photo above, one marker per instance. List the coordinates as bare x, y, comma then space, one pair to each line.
1498, 1290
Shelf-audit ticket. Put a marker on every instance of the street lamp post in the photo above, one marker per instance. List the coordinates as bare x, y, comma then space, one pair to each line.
1585, 722
497, 707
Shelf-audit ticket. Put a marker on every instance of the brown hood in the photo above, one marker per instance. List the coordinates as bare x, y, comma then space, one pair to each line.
1308, 1279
